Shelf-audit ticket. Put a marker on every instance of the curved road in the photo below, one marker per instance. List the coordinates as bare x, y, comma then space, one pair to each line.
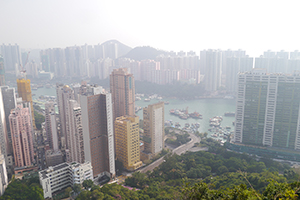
179, 150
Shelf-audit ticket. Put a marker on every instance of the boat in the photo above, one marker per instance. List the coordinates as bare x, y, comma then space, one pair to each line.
197, 125
138, 108
166, 103
147, 99
159, 98
195, 115
187, 125
229, 114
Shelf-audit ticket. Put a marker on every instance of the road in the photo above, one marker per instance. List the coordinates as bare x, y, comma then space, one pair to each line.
179, 150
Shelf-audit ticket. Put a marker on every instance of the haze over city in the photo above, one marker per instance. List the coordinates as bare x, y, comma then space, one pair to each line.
254, 26
149, 99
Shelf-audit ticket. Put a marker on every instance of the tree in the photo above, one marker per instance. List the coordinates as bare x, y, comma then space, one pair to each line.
67, 191
87, 184
77, 188
39, 119
18, 189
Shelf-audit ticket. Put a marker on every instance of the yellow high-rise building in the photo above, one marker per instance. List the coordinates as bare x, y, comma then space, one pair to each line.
127, 139
24, 91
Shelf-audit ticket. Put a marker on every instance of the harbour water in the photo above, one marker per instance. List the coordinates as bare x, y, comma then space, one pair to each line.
208, 108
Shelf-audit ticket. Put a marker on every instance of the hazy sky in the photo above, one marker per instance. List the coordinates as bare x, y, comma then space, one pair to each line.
254, 26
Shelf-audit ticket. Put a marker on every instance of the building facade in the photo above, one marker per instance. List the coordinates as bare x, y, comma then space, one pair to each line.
2, 71
154, 129
128, 142
3, 174
211, 64
4, 144
64, 93
98, 135
64, 175
75, 135
22, 133
24, 91
123, 92
10, 102
50, 125
267, 112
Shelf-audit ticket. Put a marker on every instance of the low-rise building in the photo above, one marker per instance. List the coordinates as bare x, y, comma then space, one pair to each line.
64, 175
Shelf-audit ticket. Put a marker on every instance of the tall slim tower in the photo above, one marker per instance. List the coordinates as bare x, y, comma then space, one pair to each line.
97, 126
128, 141
2, 71
50, 125
21, 130
9, 100
24, 91
3, 174
213, 70
3, 131
64, 94
154, 129
123, 92
74, 134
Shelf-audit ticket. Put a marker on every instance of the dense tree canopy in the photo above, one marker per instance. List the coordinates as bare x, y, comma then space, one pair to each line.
28, 188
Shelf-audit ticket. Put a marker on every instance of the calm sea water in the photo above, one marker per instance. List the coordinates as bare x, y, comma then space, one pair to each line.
207, 107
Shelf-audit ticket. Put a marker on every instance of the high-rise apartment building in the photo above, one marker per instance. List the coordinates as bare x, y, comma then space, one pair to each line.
3, 174
234, 66
24, 91
22, 133
123, 92
74, 133
12, 56
154, 129
3, 131
97, 126
128, 141
64, 93
211, 64
50, 125
267, 111
2, 71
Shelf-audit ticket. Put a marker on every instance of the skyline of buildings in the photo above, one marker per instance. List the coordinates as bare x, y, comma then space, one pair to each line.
85, 131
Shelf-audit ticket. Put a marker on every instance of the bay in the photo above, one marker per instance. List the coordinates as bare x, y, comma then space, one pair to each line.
209, 108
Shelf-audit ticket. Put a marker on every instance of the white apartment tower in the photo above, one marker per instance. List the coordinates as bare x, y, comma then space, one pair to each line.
154, 129
211, 63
